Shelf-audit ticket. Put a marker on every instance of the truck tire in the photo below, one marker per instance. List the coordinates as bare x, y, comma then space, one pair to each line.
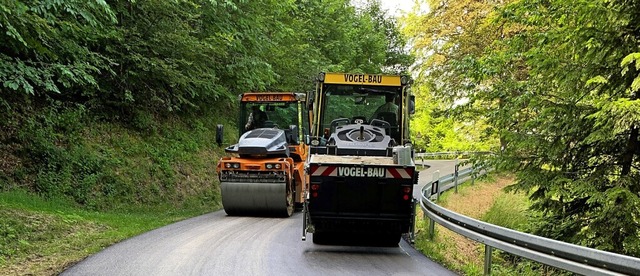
322, 238
352, 239
388, 240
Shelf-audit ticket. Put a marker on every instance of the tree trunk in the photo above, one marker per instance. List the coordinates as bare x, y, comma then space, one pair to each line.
633, 145
631, 149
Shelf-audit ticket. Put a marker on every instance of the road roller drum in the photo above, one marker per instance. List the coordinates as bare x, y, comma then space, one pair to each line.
246, 198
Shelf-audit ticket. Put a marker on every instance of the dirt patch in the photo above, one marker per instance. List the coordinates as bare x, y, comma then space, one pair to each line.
474, 202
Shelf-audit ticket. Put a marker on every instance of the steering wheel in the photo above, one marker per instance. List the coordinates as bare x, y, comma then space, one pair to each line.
380, 123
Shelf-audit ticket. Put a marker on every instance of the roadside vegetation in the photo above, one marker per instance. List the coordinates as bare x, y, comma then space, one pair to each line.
108, 109
554, 88
44, 236
96, 184
485, 200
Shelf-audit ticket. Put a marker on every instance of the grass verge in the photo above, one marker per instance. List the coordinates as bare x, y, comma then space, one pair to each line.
486, 201
43, 237
72, 183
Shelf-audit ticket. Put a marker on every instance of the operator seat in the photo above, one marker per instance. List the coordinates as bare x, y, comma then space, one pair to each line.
390, 117
269, 124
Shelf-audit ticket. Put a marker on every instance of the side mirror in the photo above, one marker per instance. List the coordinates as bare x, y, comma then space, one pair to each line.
219, 134
293, 133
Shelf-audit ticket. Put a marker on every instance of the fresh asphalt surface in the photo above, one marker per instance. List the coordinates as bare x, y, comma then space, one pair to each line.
217, 244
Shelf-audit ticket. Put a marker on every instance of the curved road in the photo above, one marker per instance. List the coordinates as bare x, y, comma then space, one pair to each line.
217, 244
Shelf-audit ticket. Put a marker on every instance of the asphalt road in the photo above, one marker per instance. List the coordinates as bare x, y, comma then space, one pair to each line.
437, 169
217, 244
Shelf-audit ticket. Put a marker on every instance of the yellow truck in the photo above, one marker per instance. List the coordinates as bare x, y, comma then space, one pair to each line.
361, 167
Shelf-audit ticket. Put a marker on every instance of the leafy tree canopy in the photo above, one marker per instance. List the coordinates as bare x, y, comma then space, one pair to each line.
149, 63
185, 55
557, 81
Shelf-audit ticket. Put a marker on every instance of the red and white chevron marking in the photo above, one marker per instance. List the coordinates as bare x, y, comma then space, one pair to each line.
399, 173
324, 171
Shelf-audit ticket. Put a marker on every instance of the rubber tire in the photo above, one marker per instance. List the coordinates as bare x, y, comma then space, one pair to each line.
388, 240
350, 239
322, 238
290, 198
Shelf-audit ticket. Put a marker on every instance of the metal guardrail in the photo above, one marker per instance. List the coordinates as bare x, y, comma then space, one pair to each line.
449, 153
571, 257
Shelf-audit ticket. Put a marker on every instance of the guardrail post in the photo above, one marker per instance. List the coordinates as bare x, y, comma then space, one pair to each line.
473, 173
432, 223
488, 250
432, 229
455, 176
412, 237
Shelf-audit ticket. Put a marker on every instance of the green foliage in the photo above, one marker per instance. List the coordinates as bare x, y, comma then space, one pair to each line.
45, 48
586, 138
167, 71
509, 211
161, 63
124, 57
631, 58
435, 130
109, 166
445, 119
555, 80
61, 163
113, 104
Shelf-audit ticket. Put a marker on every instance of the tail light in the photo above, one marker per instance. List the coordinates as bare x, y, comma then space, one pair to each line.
315, 188
406, 193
